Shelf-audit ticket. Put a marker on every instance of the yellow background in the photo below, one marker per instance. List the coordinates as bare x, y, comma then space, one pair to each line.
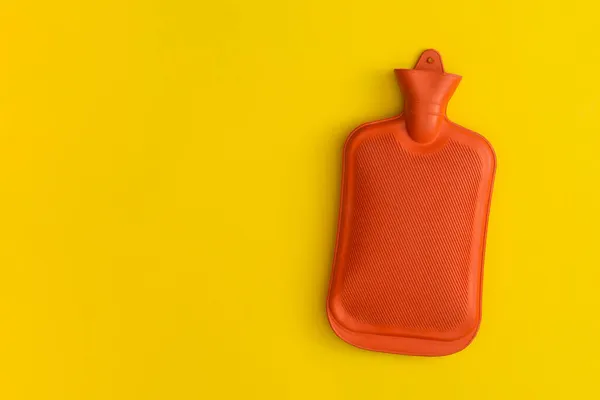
169, 181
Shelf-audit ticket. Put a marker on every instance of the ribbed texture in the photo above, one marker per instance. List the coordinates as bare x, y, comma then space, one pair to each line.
410, 242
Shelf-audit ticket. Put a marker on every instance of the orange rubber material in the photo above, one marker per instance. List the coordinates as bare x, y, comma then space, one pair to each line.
416, 189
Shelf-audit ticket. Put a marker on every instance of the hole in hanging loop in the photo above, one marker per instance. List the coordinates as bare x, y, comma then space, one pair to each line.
429, 60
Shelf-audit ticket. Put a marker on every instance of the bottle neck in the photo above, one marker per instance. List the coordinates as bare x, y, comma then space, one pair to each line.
426, 96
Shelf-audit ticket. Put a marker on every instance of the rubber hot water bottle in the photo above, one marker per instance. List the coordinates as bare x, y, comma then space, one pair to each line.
415, 198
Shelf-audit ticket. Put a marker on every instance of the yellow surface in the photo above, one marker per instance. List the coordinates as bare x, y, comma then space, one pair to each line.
169, 181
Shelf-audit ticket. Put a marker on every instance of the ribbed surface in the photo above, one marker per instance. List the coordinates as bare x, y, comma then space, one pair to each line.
411, 228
